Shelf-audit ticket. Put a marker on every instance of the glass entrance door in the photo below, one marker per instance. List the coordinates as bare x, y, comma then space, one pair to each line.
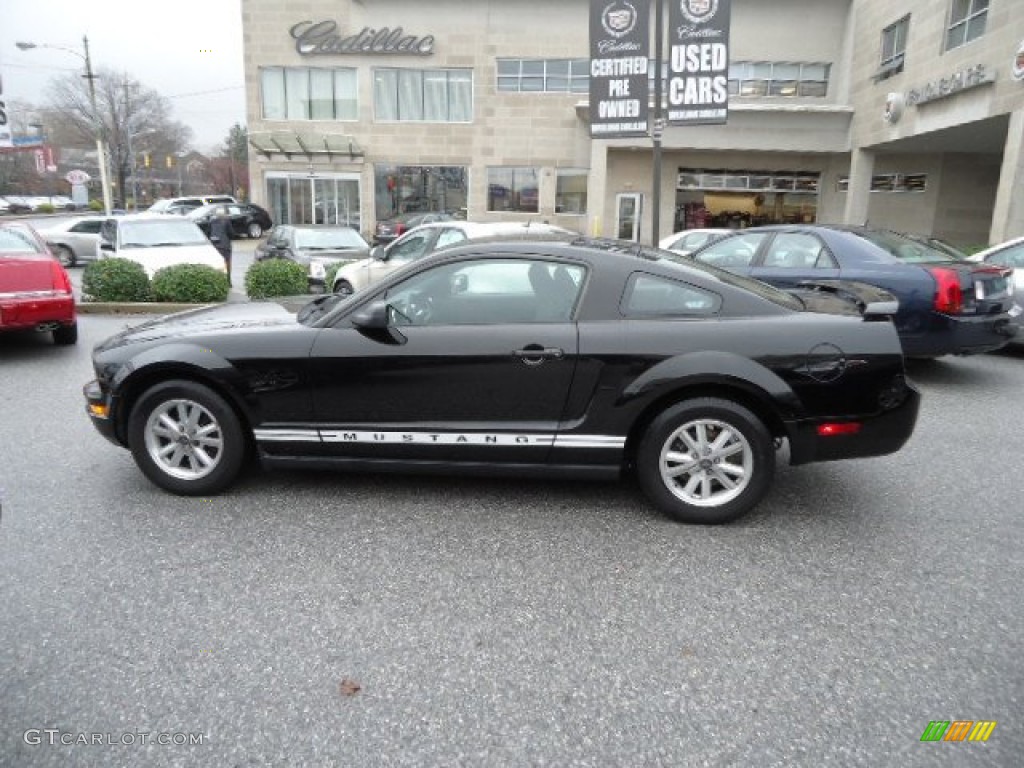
321, 199
628, 207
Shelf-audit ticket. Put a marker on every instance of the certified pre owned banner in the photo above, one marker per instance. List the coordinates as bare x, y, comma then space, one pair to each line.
698, 64
619, 47
6, 140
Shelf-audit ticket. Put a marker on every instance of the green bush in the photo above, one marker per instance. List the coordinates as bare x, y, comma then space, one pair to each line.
115, 280
95, 205
190, 283
45, 208
276, 277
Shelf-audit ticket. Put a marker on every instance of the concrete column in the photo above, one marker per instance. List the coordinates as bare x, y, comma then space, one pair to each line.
1008, 213
598, 206
858, 193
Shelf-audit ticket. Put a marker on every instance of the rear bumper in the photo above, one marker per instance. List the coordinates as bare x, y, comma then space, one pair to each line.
960, 335
30, 312
879, 434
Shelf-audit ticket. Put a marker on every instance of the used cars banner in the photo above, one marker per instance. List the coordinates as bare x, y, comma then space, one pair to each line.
619, 49
698, 63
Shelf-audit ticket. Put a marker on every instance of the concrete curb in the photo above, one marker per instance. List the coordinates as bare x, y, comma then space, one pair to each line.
134, 308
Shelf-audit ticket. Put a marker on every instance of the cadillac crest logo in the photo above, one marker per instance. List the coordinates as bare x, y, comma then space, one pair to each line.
893, 108
1018, 63
698, 11
619, 19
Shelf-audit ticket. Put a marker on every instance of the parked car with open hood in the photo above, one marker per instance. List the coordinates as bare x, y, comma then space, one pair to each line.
946, 305
1011, 256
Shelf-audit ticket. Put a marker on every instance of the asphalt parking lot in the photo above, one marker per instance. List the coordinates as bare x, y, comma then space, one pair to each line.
312, 619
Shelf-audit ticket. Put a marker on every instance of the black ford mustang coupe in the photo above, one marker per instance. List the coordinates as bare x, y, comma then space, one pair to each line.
526, 357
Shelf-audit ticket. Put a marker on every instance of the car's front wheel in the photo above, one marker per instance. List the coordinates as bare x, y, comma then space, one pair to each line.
343, 287
255, 230
706, 460
186, 438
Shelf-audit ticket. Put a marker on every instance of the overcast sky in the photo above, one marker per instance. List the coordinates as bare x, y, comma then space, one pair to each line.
188, 50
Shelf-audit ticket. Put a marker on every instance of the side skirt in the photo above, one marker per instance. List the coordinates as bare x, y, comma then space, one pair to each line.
407, 466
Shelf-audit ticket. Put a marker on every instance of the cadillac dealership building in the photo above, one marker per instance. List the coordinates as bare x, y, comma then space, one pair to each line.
905, 115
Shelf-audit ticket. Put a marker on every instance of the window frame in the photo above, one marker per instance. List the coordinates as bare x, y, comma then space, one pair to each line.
405, 77
515, 190
308, 101
892, 63
972, 13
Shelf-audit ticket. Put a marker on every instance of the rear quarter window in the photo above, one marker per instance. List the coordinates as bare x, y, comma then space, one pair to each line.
652, 296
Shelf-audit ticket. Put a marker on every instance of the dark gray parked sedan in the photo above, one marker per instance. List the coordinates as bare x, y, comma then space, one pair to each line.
316, 247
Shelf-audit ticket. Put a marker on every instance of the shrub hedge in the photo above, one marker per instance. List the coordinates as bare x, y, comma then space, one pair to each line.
115, 280
190, 284
45, 208
276, 277
95, 205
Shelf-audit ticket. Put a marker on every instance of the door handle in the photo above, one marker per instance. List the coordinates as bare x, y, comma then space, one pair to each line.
535, 354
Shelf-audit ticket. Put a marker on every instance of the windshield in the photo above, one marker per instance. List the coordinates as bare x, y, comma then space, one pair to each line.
172, 231
903, 248
325, 239
765, 291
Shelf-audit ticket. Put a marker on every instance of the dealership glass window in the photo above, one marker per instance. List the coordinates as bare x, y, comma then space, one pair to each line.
571, 191
966, 22
894, 45
766, 181
544, 75
512, 189
402, 189
784, 79
323, 199
891, 182
418, 95
301, 93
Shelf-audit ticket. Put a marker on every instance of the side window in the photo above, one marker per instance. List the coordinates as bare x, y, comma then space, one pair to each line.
735, 251
794, 250
87, 227
1011, 257
647, 295
412, 247
234, 210
449, 236
488, 292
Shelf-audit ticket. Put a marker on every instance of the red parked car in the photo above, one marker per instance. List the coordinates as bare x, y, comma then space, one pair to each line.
35, 291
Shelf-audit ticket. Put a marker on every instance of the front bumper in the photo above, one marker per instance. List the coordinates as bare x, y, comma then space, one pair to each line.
100, 407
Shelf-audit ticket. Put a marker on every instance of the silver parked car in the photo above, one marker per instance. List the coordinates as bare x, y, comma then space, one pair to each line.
75, 240
1009, 254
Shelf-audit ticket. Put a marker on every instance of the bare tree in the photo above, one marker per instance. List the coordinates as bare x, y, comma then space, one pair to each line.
133, 119
229, 171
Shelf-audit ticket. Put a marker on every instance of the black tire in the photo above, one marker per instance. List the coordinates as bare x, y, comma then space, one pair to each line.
66, 335
344, 287
223, 443
255, 230
65, 256
702, 494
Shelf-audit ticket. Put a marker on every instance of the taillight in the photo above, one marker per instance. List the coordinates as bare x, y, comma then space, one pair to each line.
399, 229
61, 281
949, 297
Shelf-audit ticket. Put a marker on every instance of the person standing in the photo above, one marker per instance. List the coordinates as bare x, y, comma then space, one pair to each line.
220, 236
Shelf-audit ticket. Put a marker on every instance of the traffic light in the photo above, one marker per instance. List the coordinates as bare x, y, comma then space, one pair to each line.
170, 161
146, 160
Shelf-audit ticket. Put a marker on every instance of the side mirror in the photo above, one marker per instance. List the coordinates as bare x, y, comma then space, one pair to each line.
372, 318
106, 246
379, 253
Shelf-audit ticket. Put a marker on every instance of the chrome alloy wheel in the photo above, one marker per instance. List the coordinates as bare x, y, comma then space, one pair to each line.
706, 463
184, 439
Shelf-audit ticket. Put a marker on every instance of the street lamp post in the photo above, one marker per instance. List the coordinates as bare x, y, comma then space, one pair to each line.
101, 155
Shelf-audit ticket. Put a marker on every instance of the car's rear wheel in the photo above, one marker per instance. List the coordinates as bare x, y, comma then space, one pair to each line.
344, 288
65, 256
186, 438
706, 460
255, 230
65, 335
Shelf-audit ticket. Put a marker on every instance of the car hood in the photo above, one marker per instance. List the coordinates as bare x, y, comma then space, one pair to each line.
224, 317
334, 254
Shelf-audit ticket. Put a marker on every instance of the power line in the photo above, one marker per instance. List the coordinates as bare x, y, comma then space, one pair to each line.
204, 93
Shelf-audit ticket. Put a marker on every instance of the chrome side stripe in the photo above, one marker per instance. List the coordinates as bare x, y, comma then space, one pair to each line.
287, 435
381, 437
